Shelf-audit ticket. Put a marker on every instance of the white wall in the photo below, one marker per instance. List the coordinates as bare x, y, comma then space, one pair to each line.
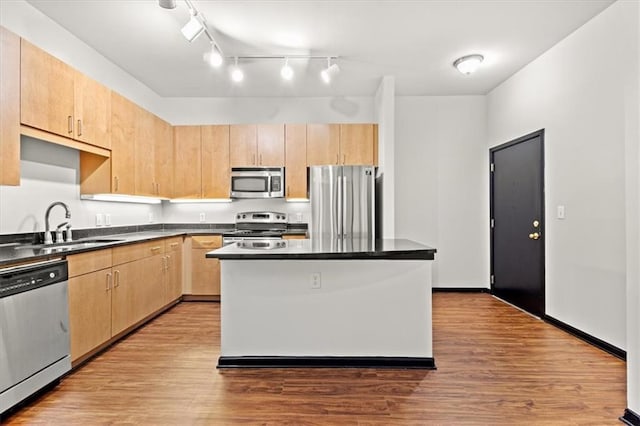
385, 117
49, 173
576, 92
632, 155
441, 191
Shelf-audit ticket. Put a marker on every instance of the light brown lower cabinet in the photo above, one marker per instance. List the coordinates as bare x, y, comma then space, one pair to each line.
112, 290
205, 273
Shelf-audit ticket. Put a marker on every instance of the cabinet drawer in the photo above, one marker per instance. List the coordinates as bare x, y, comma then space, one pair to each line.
84, 263
173, 244
138, 251
294, 237
206, 241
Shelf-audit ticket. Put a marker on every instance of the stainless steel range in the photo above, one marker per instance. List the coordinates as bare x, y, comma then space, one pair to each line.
257, 226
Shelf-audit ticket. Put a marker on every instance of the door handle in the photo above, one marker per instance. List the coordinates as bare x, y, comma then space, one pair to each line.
108, 281
535, 236
116, 279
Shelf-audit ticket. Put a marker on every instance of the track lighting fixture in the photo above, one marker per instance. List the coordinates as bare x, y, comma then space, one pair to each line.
468, 64
236, 73
286, 71
167, 4
328, 73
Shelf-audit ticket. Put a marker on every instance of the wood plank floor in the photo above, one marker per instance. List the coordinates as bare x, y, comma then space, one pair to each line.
496, 365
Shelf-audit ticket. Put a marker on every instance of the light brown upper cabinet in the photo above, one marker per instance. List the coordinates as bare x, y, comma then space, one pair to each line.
187, 154
243, 145
357, 144
256, 145
271, 145
60, 100
9, 108
123, 132
323, 144
163, 157
348, 144
215, 161
144, 142
296, 161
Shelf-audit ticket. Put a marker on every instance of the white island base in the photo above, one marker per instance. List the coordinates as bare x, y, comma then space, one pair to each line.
326, 313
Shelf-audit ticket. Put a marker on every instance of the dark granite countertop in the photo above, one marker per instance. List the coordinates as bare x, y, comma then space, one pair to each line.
18, 248
395, 249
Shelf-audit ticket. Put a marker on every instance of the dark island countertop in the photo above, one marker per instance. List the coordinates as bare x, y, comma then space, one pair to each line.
394, 249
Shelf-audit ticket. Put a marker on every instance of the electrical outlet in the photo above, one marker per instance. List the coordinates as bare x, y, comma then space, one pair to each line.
298, 217
99, 219
202, 217
150, 217
107, 219
316, 280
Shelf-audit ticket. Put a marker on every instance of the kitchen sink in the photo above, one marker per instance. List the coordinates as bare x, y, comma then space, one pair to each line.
67, 245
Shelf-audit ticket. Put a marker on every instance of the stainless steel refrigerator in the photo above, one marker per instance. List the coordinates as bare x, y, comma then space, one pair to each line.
342, 203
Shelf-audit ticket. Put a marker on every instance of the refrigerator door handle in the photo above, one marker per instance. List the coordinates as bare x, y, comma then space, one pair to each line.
339, 207
344, 207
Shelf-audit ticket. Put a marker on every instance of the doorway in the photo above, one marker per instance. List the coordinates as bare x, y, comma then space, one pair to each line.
517, 222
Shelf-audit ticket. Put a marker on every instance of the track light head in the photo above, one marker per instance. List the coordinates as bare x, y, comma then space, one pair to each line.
328, 73
213, 57
236, 73
193, 28
286, 72
167, 4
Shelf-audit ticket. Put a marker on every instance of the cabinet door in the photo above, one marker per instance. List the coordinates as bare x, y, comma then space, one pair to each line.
323, 144
356, 144
46, 86
243, 145
296, 161
270, 145
173, 275
205, 273
89, 311
128, 291
92, 109
145, 183
152, 286
163, 157
122, 149
187, 181
216, 173
9, 108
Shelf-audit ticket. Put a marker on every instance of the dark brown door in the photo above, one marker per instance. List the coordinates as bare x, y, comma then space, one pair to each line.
517, 222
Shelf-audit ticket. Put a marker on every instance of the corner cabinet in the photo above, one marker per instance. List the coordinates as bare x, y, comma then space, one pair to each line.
9, 108
57, 99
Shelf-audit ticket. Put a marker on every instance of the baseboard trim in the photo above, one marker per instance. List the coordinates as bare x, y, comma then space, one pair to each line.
600, 344
630, 417
459, 290
325, 362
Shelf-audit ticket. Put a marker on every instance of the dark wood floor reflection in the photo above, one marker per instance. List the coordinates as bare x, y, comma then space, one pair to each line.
496, 365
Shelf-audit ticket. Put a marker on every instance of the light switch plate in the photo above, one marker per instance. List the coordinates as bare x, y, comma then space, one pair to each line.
99, 219
107, 219
316, 280
202, 217
560, 213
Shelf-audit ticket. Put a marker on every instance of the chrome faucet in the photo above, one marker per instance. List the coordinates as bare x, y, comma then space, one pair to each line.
47, 233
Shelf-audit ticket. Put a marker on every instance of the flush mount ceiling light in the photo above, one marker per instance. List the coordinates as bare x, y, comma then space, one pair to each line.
167, 4
236, 73
286, 71
468, 64
328, 73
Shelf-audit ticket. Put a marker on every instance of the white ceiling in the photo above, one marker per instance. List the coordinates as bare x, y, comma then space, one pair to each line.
415, 41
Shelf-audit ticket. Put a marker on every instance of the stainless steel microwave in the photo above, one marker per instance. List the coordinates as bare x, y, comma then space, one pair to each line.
257, 182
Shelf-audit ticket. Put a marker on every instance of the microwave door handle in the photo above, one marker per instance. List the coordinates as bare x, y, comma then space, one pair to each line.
269, 186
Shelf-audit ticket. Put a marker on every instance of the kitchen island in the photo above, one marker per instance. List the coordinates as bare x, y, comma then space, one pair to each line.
326, 303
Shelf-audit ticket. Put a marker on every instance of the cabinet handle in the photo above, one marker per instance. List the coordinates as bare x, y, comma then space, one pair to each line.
288, 190
116, 280
253, 161
344, 159
116, 181
79, 127
173, 245
157, 188
108, 281
261, 159
337, 158
70, 124
155, 248
167, 261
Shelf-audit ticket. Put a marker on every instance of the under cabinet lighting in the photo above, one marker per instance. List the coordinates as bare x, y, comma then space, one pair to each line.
121, 198
297, 200
199, 200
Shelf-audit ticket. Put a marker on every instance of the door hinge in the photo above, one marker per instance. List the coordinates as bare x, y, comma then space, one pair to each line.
493, 167
492, 279
493, 223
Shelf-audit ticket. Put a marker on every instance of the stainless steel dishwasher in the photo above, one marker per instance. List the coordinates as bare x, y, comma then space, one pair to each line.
34, 329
